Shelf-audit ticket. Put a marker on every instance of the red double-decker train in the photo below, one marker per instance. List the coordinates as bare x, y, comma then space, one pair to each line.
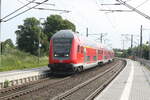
71, 53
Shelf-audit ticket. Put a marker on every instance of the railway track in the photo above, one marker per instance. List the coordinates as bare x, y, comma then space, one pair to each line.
19, 87
17, 91
50, 87
88, 85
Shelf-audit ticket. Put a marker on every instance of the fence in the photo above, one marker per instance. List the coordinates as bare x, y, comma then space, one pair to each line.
143, 61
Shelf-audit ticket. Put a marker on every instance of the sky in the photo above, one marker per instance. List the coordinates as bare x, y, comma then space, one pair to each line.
86, 13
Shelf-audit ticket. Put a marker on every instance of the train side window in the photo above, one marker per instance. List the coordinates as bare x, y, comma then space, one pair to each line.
78, 48
82, 49
100, 51
94, 58
88, 58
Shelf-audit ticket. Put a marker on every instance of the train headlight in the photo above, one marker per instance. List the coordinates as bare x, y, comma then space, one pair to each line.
55, 55
66, 55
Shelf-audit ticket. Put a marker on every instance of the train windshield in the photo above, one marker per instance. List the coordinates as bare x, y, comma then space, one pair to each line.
61, 47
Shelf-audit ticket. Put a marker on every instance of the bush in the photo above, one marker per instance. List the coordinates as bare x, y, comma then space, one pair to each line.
15, 59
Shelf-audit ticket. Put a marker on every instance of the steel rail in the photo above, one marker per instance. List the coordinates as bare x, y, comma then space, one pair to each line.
32, 88
15, 88
71, 91
94, 94
35, 87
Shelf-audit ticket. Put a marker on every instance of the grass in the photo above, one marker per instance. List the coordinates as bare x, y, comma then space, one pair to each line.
16, 59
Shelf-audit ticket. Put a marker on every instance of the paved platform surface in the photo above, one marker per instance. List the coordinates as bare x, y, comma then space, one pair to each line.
17, 77
133, 83
23, 71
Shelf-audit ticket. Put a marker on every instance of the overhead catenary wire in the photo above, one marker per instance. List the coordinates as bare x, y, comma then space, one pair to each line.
77, 12
142, 4
111, 22
134, 9
24, 11
97, 3
21, 2
116, 10
16, 10
128, 0
67, 11
53, 9
39, 2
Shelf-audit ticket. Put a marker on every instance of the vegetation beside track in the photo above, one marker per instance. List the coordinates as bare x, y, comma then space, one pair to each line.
32, 38
15, 59
134, 52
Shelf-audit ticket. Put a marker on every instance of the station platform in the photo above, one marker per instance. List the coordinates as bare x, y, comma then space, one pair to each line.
132, 83
17, 77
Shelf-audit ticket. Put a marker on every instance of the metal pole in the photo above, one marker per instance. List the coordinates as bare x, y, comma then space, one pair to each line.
132, 52
87, 32
101, 37
141, 42
123, 44
39, 43
131, 41
39, 46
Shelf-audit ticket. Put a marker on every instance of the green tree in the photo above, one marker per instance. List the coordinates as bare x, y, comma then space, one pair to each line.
55, 23
7, 45
118, 52
145, 51
136, 51
66, 24
28, 35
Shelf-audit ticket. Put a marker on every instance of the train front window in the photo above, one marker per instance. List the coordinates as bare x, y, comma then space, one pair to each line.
61, 47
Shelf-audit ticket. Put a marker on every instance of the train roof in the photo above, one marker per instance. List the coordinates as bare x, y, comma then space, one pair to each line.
83, 40
89, 42
63, 34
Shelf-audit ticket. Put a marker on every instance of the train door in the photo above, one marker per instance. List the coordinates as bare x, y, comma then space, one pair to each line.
85, 57
96, 54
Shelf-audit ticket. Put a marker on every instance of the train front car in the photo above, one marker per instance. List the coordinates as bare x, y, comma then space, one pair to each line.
61, 54
70, 53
